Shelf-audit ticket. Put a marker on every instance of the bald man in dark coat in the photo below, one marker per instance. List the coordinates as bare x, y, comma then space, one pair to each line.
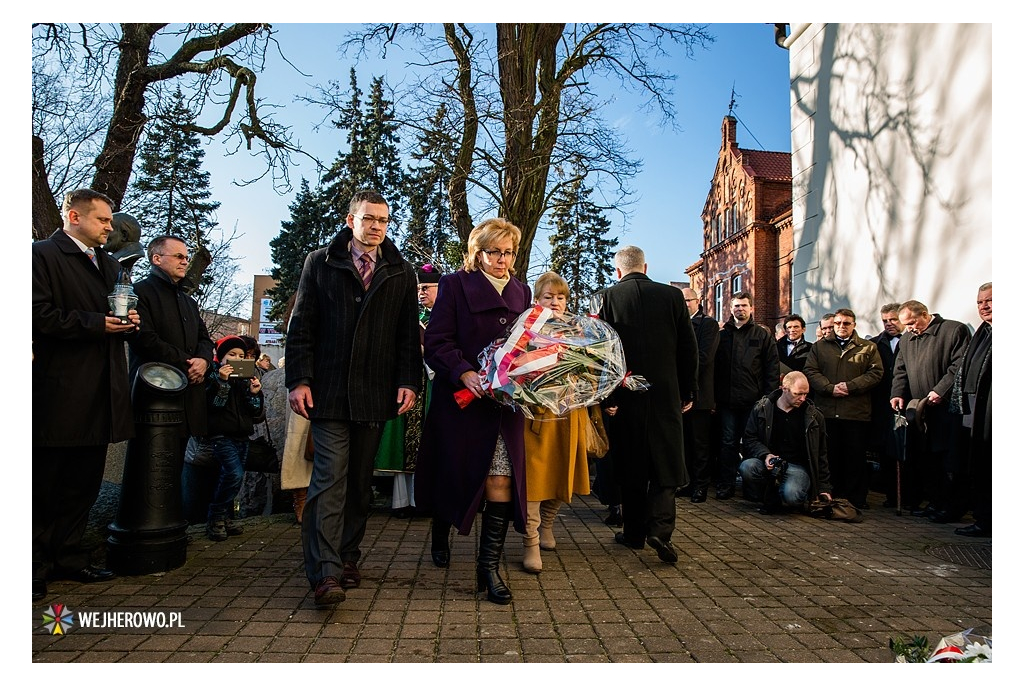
646, 429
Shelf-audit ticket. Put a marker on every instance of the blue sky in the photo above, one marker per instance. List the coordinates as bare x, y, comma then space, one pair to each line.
678, 164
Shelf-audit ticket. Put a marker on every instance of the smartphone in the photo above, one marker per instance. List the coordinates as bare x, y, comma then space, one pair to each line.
243, 368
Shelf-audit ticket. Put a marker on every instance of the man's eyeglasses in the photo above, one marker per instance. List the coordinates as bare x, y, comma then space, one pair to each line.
424, 287
842, 323
370, 219
495, 254
176, 255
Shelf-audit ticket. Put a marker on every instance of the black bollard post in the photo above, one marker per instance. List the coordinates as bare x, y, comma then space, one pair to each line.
148, 535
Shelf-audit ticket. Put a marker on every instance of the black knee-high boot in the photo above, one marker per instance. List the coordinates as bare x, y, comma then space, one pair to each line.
440, 552
493, 526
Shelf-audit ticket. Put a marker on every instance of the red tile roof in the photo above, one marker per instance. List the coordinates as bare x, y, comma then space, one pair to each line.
775, 166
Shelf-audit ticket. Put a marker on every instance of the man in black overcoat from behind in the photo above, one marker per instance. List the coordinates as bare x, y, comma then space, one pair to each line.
646, 429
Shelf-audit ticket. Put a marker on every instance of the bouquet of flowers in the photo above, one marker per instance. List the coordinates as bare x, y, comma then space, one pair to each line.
557, 363
958, 648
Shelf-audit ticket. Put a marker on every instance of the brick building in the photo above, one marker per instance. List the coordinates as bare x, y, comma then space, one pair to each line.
748, 232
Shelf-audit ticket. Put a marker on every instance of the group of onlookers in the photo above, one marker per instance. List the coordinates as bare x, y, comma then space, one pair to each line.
835, 415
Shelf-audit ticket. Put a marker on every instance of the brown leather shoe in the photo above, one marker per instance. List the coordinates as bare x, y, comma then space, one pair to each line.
350, 577
328, 591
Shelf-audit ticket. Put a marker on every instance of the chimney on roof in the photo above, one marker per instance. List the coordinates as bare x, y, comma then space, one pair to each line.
728, 132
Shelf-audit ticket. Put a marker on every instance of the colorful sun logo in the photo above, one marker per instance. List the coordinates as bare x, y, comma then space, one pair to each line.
58, 619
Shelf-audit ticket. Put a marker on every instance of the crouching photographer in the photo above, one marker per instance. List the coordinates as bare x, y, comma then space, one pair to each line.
784, 446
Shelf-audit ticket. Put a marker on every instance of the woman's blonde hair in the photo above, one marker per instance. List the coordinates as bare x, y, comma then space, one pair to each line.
487, 234
550, 280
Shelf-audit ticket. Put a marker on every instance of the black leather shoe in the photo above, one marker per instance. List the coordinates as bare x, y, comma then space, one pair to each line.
927, 511
973, 531
945, 516
684, 491
614, 517
90, 574
699, 495
440, 550
666, 552
621, 539
726, 492
38, 589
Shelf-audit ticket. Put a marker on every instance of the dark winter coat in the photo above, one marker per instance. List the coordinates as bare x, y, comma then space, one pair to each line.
232, 407
746, 366
660, 345
80, 392
707, 331
758, 435
927, 362
171, 331
975, 376
458, 444
857, 364
354, 348
795, 360
882, 437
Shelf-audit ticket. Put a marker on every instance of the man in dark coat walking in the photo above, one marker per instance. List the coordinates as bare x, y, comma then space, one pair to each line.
80, 395
354, 362
646, 429
924, 371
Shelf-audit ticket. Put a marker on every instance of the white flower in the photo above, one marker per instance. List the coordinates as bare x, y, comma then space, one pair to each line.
980, 652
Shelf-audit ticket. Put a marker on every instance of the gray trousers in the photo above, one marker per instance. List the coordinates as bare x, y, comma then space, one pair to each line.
339, 495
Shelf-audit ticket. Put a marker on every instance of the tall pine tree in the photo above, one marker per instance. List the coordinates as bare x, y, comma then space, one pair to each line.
431, 236
171, 194
373, 160
311, 227
173, 191
580, 251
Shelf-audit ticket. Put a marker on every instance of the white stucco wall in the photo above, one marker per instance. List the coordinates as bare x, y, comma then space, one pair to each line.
892, 167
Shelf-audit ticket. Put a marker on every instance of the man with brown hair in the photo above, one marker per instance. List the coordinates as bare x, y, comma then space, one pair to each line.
80, 395
746, 369
354, 362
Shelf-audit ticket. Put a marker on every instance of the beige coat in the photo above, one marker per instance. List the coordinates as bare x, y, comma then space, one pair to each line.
296, 470
556, 456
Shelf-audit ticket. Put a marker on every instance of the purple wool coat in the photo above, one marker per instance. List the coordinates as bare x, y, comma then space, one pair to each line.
458, 444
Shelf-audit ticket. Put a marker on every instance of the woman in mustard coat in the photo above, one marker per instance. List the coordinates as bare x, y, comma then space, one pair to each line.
556, 450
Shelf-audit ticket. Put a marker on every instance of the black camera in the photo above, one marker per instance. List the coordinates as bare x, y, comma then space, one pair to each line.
778, 467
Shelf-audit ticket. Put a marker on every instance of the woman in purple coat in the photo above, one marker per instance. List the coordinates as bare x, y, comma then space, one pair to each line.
473, 457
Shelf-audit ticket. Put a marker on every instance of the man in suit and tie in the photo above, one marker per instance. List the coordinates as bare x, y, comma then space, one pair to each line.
697, 421
883, 439
793, 348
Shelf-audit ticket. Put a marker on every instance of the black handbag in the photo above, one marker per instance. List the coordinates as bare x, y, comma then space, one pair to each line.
262, 456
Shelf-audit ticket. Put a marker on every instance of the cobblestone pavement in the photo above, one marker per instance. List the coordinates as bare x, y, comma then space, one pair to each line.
748, 588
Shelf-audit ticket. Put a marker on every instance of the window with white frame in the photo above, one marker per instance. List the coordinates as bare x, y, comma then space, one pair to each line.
737, 283
719, 300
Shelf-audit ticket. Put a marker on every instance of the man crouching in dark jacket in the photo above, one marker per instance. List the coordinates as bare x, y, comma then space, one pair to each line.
784, 443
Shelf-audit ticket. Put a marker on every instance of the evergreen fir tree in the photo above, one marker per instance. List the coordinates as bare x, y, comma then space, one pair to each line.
580, 251
172, 192
373, 160
171, 195
431, 236
311, 227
